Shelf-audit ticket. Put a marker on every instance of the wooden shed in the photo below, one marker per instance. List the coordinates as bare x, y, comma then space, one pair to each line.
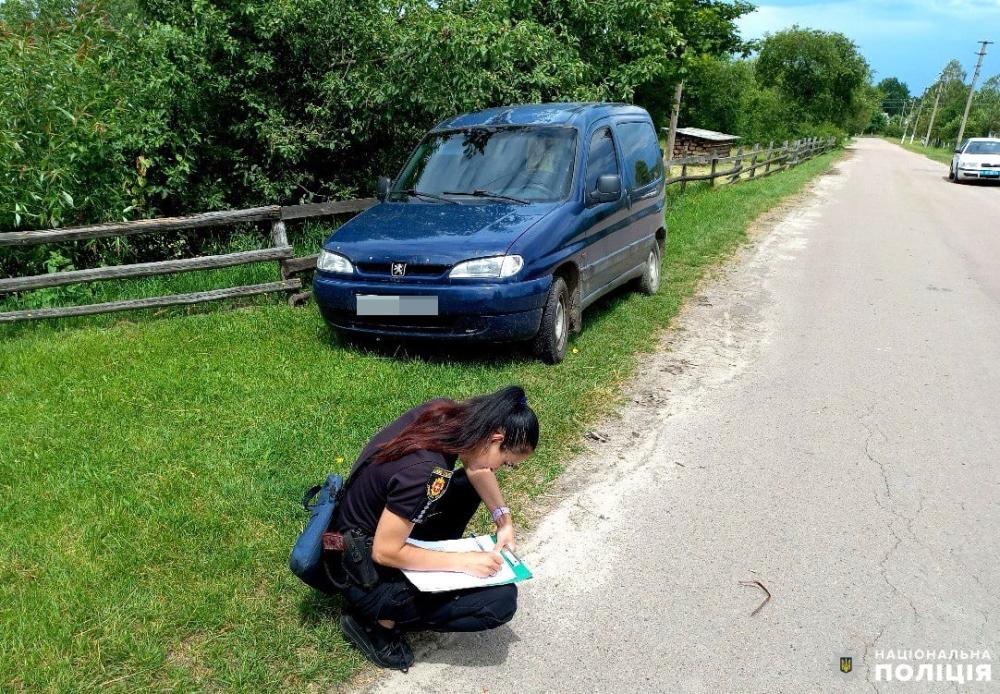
696, 142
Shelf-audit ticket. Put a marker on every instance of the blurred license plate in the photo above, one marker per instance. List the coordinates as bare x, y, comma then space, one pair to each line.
381, 305
992, 174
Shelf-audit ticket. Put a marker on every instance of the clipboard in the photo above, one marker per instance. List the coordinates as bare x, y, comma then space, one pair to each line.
512, 570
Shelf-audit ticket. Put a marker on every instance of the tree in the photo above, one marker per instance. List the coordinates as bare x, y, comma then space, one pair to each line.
895, 94
984, 118
714, 93
821, 73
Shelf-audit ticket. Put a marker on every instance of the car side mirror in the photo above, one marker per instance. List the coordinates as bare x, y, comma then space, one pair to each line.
609, 189
382, 188
958, 151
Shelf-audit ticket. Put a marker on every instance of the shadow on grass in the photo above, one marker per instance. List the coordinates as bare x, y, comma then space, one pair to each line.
317, 608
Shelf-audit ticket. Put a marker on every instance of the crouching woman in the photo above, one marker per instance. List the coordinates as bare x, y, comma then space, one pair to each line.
406, 484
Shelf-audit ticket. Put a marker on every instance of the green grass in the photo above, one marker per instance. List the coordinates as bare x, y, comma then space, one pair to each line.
941, 154
150, 469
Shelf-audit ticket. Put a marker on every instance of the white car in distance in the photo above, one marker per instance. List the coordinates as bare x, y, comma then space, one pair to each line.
977, 158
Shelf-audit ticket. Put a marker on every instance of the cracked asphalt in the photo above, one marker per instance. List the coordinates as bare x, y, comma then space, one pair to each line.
825, 419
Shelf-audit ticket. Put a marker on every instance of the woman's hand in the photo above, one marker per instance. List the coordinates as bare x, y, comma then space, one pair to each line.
505, 534
482, 564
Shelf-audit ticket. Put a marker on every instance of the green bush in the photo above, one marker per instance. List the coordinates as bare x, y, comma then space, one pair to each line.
802, 83
120, 109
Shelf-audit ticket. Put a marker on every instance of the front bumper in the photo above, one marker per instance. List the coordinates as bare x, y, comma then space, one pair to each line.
498, 312
977, 174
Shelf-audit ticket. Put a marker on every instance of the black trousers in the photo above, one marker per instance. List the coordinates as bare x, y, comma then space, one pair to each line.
394, 598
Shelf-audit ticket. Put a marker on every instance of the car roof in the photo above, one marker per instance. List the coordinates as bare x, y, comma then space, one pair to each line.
576, 113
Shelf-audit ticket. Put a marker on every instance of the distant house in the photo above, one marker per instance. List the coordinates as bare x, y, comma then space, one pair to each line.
696, 142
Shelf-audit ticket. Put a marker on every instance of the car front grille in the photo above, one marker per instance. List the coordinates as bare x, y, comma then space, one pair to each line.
412, 270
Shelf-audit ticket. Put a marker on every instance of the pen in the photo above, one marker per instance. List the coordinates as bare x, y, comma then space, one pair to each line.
476, 540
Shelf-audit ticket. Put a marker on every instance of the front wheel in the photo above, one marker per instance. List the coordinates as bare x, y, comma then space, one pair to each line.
553, 333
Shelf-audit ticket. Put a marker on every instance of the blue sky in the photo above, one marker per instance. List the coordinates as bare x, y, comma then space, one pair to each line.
908, 39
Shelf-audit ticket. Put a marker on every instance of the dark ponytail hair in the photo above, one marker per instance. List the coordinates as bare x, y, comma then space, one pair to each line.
461, 427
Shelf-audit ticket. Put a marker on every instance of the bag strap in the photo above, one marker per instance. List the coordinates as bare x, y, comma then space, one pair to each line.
310, 495
350, 479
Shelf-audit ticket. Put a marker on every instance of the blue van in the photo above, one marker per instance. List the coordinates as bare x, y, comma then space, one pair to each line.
503, 225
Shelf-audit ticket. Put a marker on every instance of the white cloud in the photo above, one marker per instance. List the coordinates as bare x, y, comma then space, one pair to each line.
861, 21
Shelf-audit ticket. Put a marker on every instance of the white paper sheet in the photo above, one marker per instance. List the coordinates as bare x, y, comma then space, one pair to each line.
439, 581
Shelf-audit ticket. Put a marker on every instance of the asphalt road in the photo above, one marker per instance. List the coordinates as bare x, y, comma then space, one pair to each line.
826, 420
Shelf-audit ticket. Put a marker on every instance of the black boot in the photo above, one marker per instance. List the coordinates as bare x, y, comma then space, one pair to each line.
385, 647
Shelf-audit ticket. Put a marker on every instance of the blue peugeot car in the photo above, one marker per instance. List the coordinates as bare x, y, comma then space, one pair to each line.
503, 226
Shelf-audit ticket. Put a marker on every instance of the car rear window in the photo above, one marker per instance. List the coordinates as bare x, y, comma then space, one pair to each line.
641, 152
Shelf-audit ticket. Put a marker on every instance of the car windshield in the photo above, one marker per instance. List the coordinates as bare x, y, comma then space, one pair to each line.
527, 163
983, 148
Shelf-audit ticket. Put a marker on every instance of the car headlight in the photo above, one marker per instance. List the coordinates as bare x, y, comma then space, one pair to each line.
498, 266
967, 164
334, 262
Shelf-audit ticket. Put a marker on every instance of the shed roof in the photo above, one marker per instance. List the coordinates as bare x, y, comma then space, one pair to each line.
707, 134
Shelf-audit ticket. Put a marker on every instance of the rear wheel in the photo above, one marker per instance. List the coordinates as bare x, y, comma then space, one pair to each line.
649, 283
553, 334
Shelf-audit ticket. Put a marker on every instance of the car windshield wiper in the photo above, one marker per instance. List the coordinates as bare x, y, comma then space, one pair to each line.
413, 192
480, 193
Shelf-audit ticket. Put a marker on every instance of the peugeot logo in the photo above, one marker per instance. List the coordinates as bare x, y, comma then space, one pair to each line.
398, 269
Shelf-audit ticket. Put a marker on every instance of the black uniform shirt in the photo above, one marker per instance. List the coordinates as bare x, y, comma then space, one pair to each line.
409, 486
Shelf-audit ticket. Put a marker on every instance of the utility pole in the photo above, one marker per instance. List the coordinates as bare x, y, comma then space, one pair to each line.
674, 112
972, 90
916, 120
937, 98
902, 119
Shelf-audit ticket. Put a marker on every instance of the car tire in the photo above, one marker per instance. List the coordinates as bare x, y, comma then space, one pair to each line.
649, 282
951, 173
553, 334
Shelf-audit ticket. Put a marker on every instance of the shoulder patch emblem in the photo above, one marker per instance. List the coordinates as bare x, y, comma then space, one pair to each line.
437, 484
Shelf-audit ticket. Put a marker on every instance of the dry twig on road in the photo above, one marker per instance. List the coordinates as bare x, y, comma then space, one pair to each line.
763, 588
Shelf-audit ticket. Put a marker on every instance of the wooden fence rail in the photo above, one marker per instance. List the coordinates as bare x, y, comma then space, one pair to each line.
748, 161
281, 251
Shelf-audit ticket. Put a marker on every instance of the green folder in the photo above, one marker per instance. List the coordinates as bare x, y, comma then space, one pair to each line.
521, 572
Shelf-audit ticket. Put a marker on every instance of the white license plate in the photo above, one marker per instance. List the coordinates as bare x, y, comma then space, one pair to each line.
382, 305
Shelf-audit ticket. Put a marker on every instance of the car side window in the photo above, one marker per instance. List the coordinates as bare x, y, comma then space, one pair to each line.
601, 158
641, 151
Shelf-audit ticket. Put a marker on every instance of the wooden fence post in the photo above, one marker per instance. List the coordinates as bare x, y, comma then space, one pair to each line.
767, 159
753, 161
684, 173
715, 164
740, 151
279, 237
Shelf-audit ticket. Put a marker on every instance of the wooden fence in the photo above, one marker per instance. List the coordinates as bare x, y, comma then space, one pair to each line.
770, 160
755, 162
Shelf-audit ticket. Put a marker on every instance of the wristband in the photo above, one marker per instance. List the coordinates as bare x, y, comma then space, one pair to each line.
496, 513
